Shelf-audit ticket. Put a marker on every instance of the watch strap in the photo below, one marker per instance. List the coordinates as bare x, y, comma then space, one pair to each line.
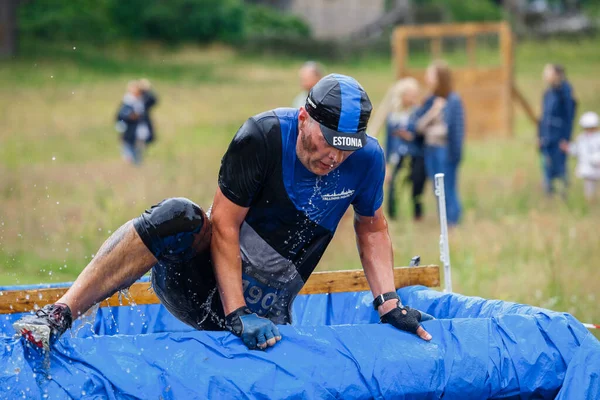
382, 298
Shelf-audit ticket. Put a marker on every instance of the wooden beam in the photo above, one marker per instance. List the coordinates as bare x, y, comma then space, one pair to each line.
518, 96
436, 48
400, 53
507, 50
18, 301
355, 281
472, 50
439, 30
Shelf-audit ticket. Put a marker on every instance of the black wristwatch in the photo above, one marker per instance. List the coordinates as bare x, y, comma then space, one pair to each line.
382, 298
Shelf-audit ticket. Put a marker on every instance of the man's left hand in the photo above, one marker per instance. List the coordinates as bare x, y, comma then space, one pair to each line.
407, 319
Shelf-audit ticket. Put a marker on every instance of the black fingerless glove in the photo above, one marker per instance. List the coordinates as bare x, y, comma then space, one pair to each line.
403, 318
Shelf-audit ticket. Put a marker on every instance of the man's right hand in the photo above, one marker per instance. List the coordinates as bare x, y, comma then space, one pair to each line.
256, 332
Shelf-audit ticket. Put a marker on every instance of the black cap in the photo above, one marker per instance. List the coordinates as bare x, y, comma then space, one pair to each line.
342, 108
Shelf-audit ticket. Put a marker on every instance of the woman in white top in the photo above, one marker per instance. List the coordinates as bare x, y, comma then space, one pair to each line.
587, 150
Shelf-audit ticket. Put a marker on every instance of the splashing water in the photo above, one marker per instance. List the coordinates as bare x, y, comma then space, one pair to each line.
124, 294
86, 321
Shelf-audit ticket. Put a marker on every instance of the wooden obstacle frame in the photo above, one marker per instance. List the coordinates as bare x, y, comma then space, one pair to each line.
486, 91
19, 301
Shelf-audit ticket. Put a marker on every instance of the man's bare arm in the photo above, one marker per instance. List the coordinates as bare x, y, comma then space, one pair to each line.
376, 255
255, 331
227, 219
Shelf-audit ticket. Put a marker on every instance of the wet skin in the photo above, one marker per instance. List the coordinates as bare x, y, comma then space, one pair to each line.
312, 149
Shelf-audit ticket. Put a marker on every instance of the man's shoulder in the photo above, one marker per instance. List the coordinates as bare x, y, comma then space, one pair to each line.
370, 153
266, 121
258, 126
372, 148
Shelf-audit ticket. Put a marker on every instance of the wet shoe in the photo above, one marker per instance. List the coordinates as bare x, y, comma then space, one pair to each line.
47, 324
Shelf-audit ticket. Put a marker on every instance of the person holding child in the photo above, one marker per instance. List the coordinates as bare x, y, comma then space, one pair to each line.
441, 121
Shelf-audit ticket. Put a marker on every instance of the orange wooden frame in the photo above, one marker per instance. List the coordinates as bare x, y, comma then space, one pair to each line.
486, 91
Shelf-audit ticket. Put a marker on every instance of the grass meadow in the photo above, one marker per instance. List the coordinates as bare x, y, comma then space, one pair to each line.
64, 187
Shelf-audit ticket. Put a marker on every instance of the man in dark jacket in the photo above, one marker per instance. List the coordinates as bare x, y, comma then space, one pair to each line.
555, 125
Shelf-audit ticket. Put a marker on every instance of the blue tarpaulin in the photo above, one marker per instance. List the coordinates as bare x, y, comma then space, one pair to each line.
335, 349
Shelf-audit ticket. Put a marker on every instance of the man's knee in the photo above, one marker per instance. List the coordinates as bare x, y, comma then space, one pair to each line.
176, 215
173, 224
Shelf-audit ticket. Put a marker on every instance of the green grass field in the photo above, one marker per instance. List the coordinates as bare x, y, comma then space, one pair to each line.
64, 187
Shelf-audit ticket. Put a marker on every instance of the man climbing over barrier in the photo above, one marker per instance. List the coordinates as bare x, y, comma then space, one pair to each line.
285, 182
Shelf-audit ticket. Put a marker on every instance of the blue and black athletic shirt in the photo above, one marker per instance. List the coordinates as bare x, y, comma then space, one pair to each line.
293, 213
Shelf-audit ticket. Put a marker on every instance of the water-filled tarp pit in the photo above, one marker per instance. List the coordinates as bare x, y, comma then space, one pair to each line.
335, 349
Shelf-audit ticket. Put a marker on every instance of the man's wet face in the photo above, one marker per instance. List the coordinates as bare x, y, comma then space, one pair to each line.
314, 152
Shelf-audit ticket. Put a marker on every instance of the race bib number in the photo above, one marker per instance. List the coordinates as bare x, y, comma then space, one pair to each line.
259, 297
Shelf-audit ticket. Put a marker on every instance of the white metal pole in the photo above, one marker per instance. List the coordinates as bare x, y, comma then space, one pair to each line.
444, 245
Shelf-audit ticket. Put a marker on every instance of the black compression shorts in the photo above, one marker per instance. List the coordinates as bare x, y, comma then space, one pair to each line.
183, 278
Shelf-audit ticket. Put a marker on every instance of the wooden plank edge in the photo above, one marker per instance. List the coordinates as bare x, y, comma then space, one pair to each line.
140, 293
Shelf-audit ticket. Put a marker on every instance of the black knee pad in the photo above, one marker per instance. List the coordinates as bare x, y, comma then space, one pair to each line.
170, 227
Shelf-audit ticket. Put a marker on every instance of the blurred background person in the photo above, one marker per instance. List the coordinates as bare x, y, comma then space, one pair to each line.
587, 150
131, 123
309, 74
440, 120
149, 99
400, 109
555, 126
